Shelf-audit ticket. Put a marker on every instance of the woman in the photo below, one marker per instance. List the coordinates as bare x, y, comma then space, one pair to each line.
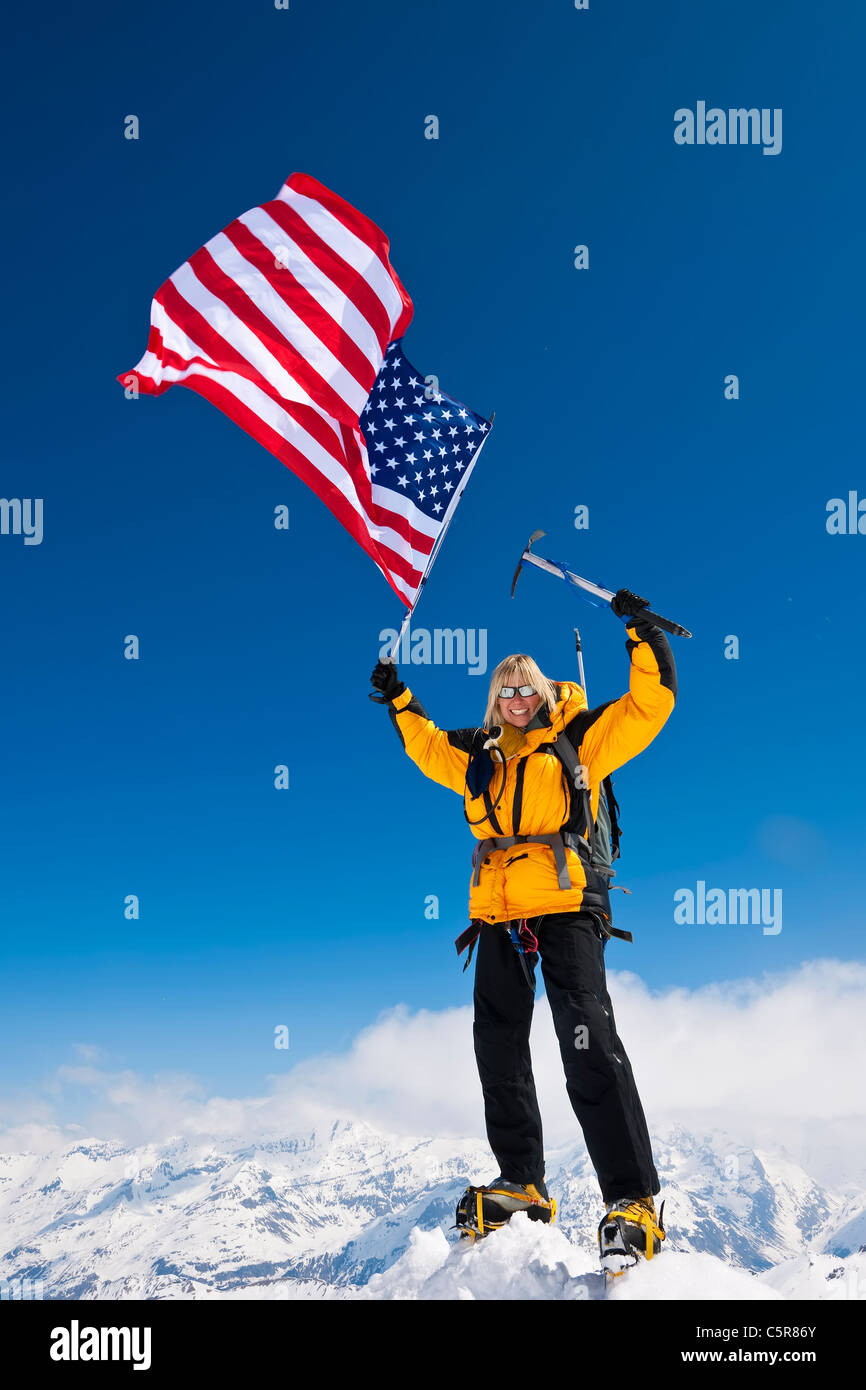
530, 779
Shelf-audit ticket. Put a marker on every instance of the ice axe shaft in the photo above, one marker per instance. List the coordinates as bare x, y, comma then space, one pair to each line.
527, 558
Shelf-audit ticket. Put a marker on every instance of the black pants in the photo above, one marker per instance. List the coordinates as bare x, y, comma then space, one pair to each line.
598, 1074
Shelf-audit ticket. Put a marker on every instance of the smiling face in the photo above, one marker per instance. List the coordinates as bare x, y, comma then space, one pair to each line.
518, 669
518, 709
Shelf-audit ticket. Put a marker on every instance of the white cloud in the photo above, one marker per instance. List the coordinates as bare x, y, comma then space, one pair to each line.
779, 1060
88, 1053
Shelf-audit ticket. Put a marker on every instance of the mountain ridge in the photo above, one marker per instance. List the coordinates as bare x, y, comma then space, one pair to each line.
322, 1214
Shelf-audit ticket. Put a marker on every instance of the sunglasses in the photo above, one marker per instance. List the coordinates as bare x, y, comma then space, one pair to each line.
507, 691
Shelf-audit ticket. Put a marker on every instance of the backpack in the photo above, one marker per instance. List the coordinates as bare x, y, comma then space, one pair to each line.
605, 832
604, 837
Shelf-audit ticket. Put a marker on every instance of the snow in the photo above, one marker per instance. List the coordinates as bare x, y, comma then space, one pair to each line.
351, 1212
528, 1260
818, 1276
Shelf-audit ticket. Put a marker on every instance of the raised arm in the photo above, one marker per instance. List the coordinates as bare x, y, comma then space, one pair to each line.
442, 755
610, 735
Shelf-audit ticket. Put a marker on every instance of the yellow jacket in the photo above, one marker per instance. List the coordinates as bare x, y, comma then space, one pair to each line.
537, 798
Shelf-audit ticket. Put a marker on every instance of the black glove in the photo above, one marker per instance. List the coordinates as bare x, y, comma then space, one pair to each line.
626, 604
385, 678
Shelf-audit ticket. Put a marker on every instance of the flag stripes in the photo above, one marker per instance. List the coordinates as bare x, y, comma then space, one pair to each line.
283, 321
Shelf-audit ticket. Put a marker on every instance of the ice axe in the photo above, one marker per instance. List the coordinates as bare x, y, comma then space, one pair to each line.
561, 572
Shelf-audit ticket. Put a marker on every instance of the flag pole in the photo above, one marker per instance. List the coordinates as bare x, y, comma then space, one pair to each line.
449, 517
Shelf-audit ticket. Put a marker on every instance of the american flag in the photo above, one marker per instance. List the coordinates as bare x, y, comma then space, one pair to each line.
289, 321
421, 445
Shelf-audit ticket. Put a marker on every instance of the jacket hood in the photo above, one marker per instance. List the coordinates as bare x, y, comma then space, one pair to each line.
543, 727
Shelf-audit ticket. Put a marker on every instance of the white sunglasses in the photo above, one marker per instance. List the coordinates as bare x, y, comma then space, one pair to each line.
507, 691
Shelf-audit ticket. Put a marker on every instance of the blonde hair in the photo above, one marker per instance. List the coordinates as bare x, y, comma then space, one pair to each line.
517, 669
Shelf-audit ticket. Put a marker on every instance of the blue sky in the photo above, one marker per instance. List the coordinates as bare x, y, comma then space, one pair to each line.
306, 907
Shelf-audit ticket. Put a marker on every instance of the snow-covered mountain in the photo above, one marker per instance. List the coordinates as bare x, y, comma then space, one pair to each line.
355, 1213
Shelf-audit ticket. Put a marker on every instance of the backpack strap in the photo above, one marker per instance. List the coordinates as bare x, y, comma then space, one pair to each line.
468, 938
613, 817
565, 750
608, 806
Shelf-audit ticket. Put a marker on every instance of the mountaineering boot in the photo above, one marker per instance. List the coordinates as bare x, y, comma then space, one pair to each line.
628, 1232
484, 1209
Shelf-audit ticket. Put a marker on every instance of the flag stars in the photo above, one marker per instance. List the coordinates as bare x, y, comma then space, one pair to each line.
417, 439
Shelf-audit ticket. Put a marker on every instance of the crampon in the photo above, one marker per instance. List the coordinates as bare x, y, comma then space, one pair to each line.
485, 1209
628, 1232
